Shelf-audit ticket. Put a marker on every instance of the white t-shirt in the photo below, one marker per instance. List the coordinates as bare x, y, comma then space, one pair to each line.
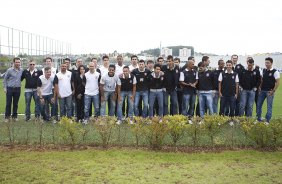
133, 82
131, 67
109, 82
103, 70
276, 74
45, 85
220, 77
92, 84
64, 84
119, 69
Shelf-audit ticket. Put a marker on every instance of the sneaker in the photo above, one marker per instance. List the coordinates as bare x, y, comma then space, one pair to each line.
85, 122
54, 121
131, 122
161, 120
15, 119
6, 120
118, 122
27, 119
231, 123
190, 122
266, 123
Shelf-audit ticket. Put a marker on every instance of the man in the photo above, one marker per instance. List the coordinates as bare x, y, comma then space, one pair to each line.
249, 81
31, 76
156, 79
205, 89
91, 91
185, 66
134, 63
206, 61
188, 82
62, 83
126, 90
12, 88
216, 73
269, 85
109, 91
178, 89
119, 65
160, 61
228, 90
46, 95
67, 62
150, 65
142, 87
238, 68
171, 78
104, 68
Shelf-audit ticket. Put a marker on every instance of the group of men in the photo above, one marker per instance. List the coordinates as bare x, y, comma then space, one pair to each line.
141, 89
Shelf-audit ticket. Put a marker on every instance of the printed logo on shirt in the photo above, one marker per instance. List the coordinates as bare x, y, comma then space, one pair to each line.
207, 74
141, 79
238, 67
232, 77
130, 81
162, 78
35, 74
176, 71
270, 74
255, 73
145, 74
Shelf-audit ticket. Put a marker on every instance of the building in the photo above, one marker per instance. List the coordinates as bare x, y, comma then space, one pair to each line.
165, 52
185, 52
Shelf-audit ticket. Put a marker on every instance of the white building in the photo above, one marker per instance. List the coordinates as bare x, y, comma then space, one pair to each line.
165, 52
184, 52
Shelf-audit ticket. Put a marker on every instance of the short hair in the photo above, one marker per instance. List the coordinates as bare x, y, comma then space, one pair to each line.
112, 66
177, 59
126, 67
205, 58
78, 59
119, 55
133, 56
49, 58
47, 68
169, 57
157, 65
190, 58
159, 58
67, 59
269, 59
31, 60
201, 64
105, 57
234, 55
16, 58
150, 61
229, 61
219, 61
141, 61
251, 61
93, 59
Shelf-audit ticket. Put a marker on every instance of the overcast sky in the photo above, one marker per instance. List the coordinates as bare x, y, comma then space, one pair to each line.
102, 26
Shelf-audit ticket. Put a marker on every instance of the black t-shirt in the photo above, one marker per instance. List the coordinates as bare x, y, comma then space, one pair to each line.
142, 79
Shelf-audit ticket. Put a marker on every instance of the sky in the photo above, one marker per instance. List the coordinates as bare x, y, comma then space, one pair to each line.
102, 26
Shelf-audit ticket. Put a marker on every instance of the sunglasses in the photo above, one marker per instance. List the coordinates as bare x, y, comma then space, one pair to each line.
31, 64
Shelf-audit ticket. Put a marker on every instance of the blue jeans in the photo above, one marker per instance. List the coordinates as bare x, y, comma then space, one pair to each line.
188, 104
246, 102
66, 106
45, 105
173, 100
153, 96
261, 97
12, 94
28, 96
123, 95
215, 102
145, 96
227, 106
205, 100
88, 100
108, 95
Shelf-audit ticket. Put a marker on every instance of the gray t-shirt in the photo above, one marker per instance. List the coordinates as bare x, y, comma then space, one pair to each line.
109, 82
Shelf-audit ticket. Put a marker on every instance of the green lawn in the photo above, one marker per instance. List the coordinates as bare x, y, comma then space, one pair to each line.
276, 106
135, 166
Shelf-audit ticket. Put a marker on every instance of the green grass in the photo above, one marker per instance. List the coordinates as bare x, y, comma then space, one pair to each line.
135, 166
276, 105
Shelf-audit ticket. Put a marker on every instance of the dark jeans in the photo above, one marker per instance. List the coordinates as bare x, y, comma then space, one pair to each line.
227, 104
43, 106
269, 100
12, 95
173, 100
28, 96
80, 108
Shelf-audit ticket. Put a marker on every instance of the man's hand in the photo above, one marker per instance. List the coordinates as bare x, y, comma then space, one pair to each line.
220, 94
102, 98
114, 97
79, 96
52, 100
73, 92
5, 91
132, 98
42, 100
271, 93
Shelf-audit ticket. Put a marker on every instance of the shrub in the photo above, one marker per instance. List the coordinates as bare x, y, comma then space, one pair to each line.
104, 126
177, 126
138, 128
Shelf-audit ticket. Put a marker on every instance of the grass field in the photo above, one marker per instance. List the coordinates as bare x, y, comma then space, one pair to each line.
137, 166
276, 106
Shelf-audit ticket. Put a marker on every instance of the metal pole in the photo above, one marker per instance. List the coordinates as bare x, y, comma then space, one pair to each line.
9, 41
12, 41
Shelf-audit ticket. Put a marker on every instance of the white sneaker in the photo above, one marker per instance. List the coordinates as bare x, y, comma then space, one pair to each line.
131, 122
85, 122
15, 119
6, 120
54, 121
118, 122
231, 123
190, 122
266, 123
